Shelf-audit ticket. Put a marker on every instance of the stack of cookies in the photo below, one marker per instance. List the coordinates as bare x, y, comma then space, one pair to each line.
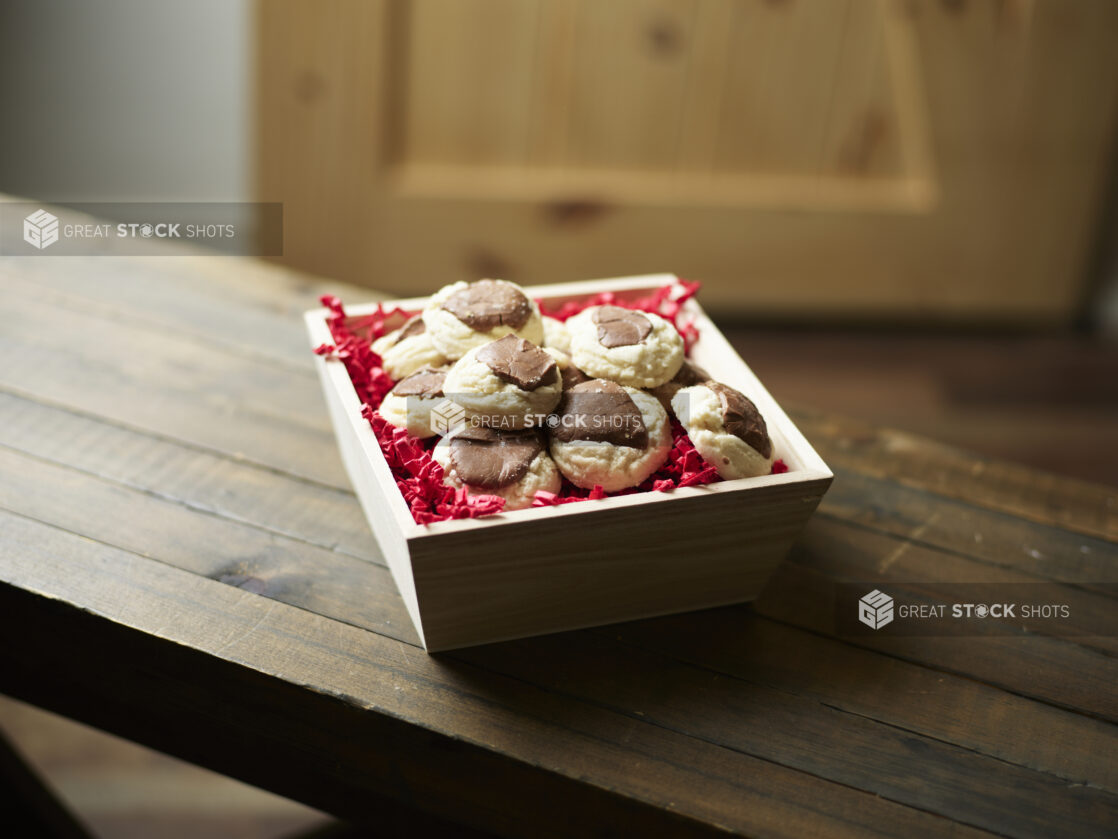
537, 400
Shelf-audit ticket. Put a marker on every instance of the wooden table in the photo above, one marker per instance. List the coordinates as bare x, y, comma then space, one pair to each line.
183, 564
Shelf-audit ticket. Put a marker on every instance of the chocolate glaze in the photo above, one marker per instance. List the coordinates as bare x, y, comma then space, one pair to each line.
572, 376
518, 361
690, 374
742, 419
491, 459
413, 326
425, 382
618, 327
487, 303
600, 411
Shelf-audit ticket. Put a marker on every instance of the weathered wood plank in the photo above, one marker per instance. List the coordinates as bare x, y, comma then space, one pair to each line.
918, 462
197, 478
260, 505
803, 733
491, 751
845, 553
723, 719
924, 518
740, 642
283, 569
242, 305
329, 518
1064, 674
169, 385
782, 728
265, 499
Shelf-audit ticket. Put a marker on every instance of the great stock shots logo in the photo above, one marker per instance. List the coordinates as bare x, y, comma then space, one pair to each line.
875, 610
140, 228
447, 416
40, 229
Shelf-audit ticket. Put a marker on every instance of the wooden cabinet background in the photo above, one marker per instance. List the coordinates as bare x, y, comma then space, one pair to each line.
866, 158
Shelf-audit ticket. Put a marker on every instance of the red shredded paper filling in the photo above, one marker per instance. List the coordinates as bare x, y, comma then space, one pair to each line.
420, 478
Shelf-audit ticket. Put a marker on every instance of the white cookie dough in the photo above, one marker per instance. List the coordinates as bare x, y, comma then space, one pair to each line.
647, 363
403, 354
495, 401
587, 463
454, 338
700, 411
555, 335
541, 476
412, 412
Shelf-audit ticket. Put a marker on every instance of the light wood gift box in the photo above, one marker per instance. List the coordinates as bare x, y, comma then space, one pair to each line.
545, 569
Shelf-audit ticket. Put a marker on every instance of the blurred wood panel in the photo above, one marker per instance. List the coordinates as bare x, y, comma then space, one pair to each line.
470, 82
616, 82
778, 88
874, 158
863, 134
629, 79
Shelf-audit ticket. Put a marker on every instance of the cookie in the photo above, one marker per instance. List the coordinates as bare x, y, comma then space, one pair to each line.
636, 349
689, 374
408, 349
726, 429
555, 335
508, 383
463, 316
408, 405
608, 435
570, 374
512, 464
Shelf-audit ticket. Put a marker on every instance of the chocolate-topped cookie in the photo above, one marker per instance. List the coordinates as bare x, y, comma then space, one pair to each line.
463, 316
519, 362
408, 405
602, 412
512, 464
689, 374
508, 383
618, 327
425, 382
608, 435
407, 349
633, 348
741, 418
489, 303
490, 459
726, 429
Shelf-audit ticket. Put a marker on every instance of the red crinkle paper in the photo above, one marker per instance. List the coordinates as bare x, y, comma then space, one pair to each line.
420, 478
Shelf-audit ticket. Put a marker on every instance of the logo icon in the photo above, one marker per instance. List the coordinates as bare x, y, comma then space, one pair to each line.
875, 610
40, 229
447, 416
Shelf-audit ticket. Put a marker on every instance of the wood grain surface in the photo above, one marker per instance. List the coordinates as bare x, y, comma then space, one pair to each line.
182, 563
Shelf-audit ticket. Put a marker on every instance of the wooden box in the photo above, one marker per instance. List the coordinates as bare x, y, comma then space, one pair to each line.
545, 569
